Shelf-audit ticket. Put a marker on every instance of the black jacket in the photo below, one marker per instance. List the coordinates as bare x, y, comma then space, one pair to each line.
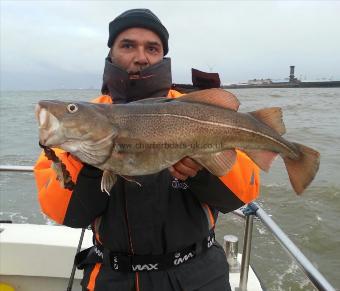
161, 216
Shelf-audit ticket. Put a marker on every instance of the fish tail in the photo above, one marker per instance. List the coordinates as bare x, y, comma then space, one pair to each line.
302, 171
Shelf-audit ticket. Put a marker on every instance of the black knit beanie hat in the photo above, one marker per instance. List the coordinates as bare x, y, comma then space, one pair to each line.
138, 18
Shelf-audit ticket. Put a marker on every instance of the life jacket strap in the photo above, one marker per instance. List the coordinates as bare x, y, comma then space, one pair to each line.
122, 262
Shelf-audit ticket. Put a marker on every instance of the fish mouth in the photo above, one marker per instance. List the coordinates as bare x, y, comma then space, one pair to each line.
48, 125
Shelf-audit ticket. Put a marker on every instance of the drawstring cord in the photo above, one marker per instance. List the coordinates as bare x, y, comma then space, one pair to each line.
68, 184
50, 154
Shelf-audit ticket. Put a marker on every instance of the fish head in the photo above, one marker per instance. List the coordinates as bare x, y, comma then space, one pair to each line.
77, 127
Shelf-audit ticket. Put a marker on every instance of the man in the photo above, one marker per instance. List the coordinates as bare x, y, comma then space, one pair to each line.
159, 236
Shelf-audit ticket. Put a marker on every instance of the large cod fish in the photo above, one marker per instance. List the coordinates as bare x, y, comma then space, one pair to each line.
147, 136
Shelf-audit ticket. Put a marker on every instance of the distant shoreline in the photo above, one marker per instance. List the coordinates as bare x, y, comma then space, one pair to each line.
323, 84
185, 88
190, 87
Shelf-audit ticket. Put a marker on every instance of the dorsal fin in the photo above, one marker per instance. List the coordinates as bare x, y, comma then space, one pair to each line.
152, 100
271, 117
215, 96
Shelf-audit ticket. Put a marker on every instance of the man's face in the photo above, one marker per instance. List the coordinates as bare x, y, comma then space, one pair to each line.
135, 49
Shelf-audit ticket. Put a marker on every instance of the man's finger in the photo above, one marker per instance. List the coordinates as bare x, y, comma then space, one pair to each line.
191, 163
177, 174
184, 170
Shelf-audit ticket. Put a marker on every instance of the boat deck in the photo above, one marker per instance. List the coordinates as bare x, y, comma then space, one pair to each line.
40, 257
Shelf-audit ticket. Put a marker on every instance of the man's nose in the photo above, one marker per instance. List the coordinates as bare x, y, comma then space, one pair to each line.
141, 58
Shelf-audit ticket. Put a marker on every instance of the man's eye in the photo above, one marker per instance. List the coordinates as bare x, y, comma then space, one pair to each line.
153, 49
127, 45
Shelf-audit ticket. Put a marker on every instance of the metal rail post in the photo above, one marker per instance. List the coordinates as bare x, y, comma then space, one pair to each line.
73, 272
249, 211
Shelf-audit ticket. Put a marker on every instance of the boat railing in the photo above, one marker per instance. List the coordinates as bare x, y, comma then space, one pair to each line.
248, 213
11, 168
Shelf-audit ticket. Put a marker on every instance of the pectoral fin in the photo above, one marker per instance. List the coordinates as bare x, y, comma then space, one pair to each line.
219, 163
108, 180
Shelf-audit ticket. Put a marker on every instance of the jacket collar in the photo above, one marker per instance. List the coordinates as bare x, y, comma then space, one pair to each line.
154, 81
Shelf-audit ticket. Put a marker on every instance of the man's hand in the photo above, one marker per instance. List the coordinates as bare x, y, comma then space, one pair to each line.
185, 168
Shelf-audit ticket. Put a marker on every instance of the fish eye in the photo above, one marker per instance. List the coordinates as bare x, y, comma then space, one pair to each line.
72, 108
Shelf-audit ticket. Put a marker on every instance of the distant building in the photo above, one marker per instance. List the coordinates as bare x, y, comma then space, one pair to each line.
260, 81
292, 78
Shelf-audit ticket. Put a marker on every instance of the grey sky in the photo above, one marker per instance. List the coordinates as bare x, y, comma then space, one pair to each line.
62, 44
